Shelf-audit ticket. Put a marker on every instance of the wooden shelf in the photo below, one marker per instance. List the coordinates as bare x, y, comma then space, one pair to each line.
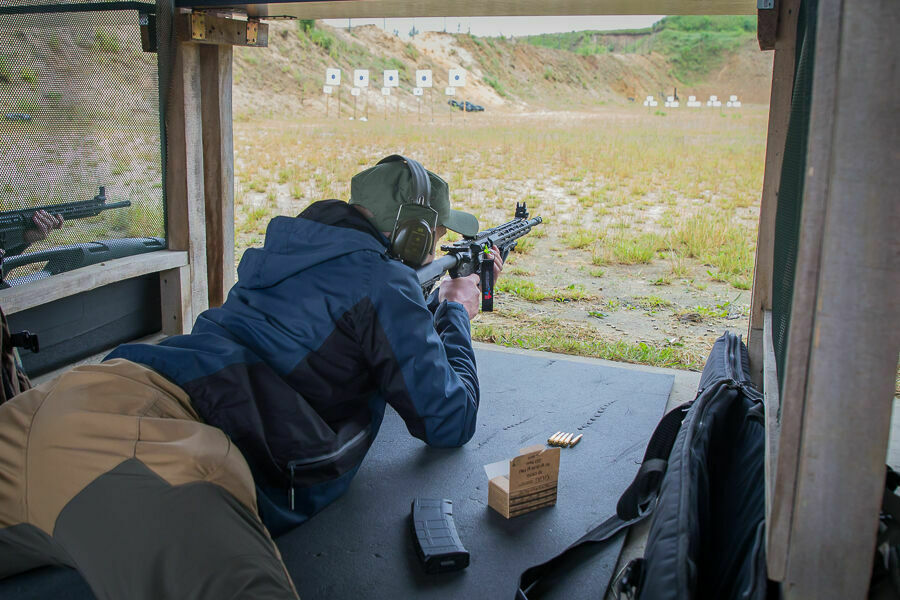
43, 291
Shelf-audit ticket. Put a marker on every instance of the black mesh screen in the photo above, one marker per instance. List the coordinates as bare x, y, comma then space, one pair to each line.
790, 191
79, 109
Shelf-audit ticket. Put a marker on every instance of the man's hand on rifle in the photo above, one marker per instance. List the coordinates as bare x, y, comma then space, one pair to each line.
44, 223
467, 290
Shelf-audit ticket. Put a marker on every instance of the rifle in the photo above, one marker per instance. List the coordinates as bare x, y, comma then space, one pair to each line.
473, 255
74, 256
14, 223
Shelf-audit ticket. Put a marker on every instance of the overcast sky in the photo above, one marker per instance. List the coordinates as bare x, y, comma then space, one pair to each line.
494, 26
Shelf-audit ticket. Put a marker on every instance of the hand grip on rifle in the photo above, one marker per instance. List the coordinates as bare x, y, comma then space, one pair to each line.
487, 281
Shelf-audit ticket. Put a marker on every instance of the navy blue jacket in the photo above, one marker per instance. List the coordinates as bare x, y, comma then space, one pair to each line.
320, 331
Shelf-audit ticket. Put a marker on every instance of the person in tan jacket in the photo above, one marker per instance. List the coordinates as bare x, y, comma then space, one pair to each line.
160, 472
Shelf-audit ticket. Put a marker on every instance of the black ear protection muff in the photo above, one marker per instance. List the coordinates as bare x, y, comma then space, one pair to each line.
413, 237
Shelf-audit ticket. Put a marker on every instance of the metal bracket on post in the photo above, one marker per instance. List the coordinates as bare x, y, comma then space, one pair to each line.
147, 24
766, 23
198, 25
252, 31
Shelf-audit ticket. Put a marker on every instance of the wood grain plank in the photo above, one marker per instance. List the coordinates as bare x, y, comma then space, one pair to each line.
854, 341
779, 117
43, 291
175, 300
185, 202
218, 162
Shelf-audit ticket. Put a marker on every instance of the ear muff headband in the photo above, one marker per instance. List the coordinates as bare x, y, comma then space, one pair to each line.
413, 236
421, 193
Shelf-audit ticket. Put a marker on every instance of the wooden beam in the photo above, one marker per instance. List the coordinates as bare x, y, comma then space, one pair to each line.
779, 117
42, 291
175, 300
772, 401
185, 202
94, 359
806, 280
208, 28
218, 161
854, 340
479, 8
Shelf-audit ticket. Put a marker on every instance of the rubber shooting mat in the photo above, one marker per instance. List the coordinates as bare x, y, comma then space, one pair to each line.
361, 546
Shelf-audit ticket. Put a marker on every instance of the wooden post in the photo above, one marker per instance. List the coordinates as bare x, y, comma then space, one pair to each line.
779, 117
218, 161
177, 316
185, 204
848, 371
772, 401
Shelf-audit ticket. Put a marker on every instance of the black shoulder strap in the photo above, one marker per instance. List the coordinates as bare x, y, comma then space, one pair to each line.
635, 505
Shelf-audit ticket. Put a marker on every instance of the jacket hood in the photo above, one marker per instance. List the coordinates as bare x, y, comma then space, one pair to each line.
324, 231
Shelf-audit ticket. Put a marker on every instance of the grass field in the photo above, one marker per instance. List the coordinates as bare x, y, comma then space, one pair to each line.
647, 247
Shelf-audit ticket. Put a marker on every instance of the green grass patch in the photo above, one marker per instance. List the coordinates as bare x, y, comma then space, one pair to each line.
494, 83
254, 219
411, 52
323, 39
27, 106
715, 241
572, 292
106, 41
693, 45
580, 238
556, 336
285, 174
652, 302
635, 250
522, 288
5, 71
524, 246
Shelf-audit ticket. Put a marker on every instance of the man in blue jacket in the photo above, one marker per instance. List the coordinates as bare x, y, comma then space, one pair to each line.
156, 471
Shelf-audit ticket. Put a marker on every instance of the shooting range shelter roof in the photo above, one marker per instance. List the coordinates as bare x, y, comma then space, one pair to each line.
343, 9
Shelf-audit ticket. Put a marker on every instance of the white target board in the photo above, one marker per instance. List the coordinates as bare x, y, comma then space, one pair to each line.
391, 78
327, 89
457, 77
417, 91
332, 77
423, 78
385, 91
361, 78
450, 91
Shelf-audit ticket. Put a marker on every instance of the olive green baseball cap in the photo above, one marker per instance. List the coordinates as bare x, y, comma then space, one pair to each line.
384, 187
